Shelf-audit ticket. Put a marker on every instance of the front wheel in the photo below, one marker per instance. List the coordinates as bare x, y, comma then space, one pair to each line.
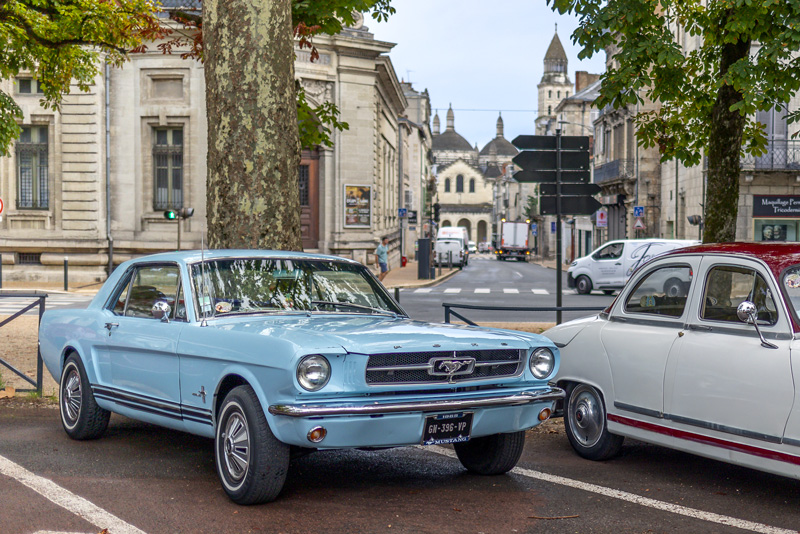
585, 423
491, 455
81, 417
583, 285
251, 462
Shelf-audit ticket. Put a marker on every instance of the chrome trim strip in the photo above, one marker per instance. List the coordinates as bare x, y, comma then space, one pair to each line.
740, 329
636, 409
153, 406
322, 410
667, 321
793, 442
428, 366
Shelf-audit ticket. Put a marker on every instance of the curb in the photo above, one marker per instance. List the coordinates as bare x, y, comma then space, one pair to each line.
426, 283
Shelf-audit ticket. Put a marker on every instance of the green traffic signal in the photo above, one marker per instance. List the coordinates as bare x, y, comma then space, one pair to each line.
171, 215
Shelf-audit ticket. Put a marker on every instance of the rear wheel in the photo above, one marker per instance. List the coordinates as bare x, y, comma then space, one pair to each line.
252, 464
491, 455
583, 285
81, 417
585, 423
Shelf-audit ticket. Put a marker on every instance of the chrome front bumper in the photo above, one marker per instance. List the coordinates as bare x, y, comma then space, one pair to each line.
321, 410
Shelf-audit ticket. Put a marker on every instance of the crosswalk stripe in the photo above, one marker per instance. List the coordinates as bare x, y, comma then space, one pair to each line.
453, 290
540, 291
483, 290
510, 290
423, 290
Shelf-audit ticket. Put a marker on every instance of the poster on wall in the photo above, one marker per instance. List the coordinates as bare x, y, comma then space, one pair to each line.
774, 232
357, 206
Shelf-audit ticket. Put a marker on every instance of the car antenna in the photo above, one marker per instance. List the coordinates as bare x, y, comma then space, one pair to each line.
203, 278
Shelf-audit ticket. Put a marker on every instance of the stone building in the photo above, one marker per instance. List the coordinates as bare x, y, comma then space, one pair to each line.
91, 181
554, 86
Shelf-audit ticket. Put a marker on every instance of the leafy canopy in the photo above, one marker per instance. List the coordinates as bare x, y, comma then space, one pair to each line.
58, 41
649, 65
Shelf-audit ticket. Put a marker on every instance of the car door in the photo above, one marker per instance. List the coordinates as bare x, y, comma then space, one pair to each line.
607, 265
640, 334
723, 382
140, 365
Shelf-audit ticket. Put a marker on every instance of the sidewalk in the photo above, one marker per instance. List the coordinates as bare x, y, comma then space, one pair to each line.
406, 277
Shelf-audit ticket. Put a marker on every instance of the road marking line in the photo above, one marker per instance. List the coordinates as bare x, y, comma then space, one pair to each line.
483, 290
635, 499
66, 499
540, 291
507, 290
453, 290
423, 290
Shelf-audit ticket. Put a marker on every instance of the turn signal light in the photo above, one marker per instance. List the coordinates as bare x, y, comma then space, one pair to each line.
318, 433
544, 415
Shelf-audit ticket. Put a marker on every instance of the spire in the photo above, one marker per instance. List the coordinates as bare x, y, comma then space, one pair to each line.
555, 59
500, 125
436, 123
450, 119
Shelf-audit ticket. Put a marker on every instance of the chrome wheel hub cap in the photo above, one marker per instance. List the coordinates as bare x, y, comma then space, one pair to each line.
236, 447
588, 417
71, 396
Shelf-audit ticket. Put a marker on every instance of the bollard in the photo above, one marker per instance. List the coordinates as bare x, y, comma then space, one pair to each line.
397, 294
450, 260
1, 271
66, 273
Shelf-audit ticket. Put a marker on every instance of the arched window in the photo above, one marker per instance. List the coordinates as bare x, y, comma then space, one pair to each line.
447, 185
459, 184
558, 94
550, 94
549, 110
472, 185
567, 94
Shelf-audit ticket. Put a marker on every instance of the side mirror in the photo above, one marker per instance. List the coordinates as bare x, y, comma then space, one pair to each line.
161, 310
746, 312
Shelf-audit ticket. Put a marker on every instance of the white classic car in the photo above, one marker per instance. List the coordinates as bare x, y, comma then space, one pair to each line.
713, 371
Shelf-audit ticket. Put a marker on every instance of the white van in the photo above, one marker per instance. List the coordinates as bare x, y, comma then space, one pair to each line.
455, 240
610, 266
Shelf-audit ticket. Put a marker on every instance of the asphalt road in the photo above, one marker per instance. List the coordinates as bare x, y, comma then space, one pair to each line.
489, 282
142, 478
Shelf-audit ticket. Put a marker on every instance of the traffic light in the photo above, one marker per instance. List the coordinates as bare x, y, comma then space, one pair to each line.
183, 213
436, 208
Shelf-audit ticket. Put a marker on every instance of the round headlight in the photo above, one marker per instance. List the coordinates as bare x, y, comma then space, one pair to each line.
542, 362
313, 372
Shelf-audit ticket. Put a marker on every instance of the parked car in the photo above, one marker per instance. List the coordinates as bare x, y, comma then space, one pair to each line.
484, 246
609, 267
712, 371
266, 352
473, 248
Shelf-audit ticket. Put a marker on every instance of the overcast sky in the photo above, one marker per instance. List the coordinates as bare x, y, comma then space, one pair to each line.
479, 55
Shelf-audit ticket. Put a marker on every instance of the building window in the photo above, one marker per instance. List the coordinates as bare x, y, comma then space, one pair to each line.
32, 174
472, 185
550, 94
302, 183
558, 94
459, 184
566, 95
29, 258
29, 86
168, 168
549, 110
447, 185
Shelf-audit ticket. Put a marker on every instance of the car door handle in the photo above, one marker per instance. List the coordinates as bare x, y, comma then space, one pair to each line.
109, 326
702, 327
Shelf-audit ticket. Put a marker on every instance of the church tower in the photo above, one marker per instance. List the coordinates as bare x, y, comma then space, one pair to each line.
554, 87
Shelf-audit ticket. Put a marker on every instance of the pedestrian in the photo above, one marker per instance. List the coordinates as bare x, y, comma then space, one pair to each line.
382, 258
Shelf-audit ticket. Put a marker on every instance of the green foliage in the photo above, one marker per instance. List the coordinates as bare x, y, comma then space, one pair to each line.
532, 207
650, 66
317, 123
2, 382
60, 42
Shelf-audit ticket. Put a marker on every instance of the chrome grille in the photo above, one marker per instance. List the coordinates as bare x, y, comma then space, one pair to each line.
427, 368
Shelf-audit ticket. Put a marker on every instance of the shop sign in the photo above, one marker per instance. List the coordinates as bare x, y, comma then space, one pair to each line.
773, 206
601, 218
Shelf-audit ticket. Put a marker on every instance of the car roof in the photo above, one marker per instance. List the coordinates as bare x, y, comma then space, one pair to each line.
192, 256
777, 256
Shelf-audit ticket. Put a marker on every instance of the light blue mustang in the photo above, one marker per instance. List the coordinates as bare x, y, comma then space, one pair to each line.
264, 351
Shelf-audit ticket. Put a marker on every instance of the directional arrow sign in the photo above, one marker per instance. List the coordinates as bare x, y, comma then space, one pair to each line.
570, 189
570, 205
539, 177
547, 160
548, 142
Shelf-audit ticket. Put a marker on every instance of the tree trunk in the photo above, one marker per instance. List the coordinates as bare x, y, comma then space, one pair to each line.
724, 149
253, 148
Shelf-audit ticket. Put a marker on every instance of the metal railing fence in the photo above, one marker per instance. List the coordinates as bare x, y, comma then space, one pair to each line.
448, 310
40, 302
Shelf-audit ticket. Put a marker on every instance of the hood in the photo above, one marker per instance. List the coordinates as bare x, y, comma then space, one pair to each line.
562, 334
371, 334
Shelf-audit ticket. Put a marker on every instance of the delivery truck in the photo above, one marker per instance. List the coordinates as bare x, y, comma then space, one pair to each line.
513, 241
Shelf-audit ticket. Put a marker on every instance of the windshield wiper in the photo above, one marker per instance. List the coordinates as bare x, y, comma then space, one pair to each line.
379, 311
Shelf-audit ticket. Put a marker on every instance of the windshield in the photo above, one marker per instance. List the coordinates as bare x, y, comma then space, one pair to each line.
261, 285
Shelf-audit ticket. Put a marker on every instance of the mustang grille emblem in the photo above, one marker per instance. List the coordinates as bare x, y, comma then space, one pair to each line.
451, 367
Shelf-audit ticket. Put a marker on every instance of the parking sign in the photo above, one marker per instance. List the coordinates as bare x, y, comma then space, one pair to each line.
638, 211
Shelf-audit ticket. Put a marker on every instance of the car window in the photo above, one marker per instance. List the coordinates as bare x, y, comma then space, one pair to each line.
662, 291
727, 286
151, 284
791, 287
609, 252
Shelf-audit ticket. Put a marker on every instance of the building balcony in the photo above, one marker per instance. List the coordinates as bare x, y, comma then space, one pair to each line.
782, 155
618, 168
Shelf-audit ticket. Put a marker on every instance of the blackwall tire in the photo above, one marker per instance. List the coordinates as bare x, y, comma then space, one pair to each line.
586, 426
491, 455
583, 285
251, 463
81, 417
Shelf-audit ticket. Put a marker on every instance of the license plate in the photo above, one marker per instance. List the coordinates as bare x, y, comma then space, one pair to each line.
447, 428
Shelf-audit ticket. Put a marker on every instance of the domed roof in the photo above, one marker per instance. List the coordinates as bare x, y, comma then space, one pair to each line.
501, 146
451, 140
